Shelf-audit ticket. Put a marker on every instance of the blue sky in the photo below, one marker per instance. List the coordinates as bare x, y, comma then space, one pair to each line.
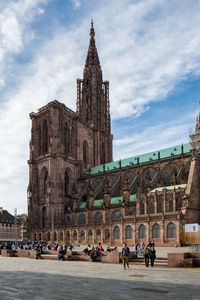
148, 49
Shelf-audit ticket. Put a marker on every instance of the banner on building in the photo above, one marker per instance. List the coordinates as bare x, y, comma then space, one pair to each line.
191, 227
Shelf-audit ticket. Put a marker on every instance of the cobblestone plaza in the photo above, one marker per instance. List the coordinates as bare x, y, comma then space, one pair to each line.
22, 278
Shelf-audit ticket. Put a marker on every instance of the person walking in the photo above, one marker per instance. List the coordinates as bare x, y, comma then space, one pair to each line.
152, 255
146, 256
125, 256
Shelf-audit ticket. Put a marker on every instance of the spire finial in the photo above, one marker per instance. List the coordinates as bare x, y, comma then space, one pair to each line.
92, 33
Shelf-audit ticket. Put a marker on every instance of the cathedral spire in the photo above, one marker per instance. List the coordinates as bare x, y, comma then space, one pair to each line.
92, 33
92, 58
92, 92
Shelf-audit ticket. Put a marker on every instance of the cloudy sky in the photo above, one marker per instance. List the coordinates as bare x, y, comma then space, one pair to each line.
149, 51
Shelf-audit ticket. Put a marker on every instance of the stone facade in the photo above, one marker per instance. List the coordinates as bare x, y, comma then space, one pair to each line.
77, 194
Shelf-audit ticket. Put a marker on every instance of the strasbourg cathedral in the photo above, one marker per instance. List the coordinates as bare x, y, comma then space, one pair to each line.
76, 192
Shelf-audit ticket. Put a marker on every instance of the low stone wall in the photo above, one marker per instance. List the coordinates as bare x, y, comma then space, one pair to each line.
185, 259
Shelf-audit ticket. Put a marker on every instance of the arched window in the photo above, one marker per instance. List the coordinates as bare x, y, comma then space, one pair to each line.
90, 235
55, 236
98, 218
40, 236
66, 184
61, 236
75, 235
82, 235
45, 137
146, 180
45, 191
170, 171
116, 215
67, 138
103, 154
160, 206
142, 208
43, 216
48, 236
171, 230
98, 234
129, 232
170, 205
81, 219
151, 208
85, 152
107, 234
67, 236
116, 233
141, 232
35, 237
155, 231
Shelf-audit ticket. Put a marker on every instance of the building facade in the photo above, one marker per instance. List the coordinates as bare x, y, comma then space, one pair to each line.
77, 194
12, 228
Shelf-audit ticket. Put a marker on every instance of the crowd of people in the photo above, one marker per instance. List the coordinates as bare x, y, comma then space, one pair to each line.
140, 249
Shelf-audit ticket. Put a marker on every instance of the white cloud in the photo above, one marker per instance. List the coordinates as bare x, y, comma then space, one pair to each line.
156, 137
76, 3
145, 48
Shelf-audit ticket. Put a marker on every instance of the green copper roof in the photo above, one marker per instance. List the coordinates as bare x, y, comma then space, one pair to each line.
98, 203
116, 200
133, 198
143, 158
169, 188
82, 205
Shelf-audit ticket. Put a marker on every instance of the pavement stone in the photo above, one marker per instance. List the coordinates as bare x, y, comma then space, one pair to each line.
22, 278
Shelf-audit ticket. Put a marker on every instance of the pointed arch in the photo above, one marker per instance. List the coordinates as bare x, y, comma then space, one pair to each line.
82, 235
156, 231
168, 173
141, 231
98, 218
129, 232
107, 234
116, 215
90, 235
116, 233
81, 219
171, 230
146, 179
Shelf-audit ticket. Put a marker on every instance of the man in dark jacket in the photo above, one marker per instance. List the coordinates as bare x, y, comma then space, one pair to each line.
125, 255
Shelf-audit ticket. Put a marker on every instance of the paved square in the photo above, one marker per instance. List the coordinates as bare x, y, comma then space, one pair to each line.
22, 278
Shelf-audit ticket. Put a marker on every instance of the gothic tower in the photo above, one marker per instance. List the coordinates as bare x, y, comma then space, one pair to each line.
93, 106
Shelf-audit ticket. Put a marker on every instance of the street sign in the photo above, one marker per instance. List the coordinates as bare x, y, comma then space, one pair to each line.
191, 227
